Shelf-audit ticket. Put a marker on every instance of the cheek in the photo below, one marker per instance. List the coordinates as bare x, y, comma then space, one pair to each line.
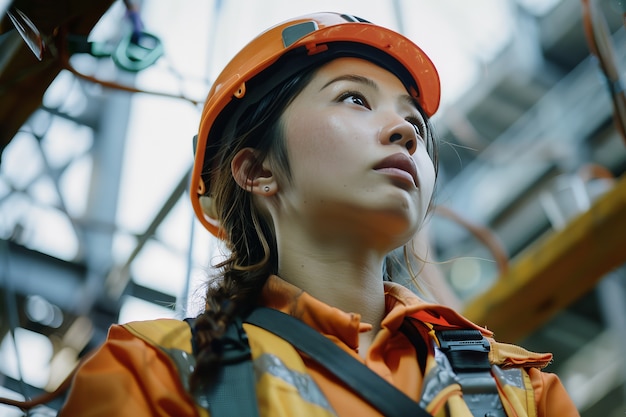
430, 175
318, 143
426, 174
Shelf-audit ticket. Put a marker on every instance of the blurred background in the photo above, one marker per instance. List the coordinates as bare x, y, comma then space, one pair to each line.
98, 107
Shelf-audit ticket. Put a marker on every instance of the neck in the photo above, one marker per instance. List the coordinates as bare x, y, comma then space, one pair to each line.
340, 274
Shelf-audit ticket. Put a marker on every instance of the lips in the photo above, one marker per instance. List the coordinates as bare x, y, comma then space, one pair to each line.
400, 166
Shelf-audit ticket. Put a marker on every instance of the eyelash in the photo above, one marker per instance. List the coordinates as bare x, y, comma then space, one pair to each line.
355, 94
417, 122
420, 126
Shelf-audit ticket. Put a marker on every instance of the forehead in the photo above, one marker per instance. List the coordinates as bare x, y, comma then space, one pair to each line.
361, 67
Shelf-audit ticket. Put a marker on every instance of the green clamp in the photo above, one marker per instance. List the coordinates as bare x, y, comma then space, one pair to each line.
136, 55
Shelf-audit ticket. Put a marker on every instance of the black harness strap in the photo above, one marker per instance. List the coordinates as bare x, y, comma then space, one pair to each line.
409, 329
232, 391
364, 382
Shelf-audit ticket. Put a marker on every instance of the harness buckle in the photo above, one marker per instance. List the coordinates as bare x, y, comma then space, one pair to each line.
468, 354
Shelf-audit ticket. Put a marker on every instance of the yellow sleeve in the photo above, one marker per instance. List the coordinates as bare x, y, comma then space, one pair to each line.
127, 377
551, 398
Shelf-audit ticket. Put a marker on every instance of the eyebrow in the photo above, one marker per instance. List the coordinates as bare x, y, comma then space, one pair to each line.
370, 83
354, 78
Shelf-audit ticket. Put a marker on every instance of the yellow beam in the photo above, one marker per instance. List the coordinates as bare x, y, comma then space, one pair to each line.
555, 271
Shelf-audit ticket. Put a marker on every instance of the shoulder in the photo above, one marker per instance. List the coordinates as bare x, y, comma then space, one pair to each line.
130, 375
551, 397
134, 344
164, 333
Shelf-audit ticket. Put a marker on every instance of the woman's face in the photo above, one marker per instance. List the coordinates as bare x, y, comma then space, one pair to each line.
356, 148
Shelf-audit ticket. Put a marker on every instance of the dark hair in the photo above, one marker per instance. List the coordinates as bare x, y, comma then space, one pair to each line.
249, 234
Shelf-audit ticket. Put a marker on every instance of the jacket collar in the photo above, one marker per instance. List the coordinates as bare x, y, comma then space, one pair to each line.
345, 327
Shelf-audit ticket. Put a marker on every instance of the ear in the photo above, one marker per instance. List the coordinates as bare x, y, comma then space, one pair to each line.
251, 174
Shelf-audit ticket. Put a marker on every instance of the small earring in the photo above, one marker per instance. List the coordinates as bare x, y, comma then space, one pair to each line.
266, 188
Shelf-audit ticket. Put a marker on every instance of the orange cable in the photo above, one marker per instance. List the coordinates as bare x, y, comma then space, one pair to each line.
599, 43
64, 58
483, 234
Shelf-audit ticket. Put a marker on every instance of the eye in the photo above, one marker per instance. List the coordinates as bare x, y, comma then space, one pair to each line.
419, 125
354, 97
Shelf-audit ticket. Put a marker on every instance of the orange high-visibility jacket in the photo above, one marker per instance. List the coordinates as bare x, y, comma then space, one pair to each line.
140, 370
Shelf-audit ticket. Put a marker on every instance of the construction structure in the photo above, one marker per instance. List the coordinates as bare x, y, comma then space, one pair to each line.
532, 149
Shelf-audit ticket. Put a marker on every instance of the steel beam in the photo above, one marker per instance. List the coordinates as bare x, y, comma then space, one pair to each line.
556, 270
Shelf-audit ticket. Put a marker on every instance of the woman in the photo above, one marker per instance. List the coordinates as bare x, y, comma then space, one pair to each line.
315, 160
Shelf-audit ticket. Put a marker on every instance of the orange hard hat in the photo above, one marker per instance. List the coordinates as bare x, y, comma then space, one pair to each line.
303, 42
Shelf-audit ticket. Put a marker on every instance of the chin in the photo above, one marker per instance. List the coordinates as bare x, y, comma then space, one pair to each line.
399, 229
405, 217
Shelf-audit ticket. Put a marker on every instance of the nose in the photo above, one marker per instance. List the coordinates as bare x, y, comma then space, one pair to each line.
400, 131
